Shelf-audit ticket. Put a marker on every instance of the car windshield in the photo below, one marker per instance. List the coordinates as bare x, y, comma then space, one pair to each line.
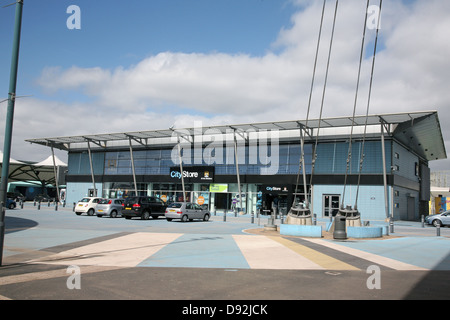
174, 205
85, 200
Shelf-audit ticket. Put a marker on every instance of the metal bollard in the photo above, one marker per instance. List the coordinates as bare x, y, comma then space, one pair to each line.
56, 206
225, 215
21, 204
39, 205
438, 230
314, 219
74, 207
423, 221
391, 225
252, 217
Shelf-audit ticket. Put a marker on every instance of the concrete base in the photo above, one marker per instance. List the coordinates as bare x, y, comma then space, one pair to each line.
270, 227
301, 230
364, 232
298, 220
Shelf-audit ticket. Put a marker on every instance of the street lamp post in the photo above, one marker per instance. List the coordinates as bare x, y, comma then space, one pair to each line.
9, 121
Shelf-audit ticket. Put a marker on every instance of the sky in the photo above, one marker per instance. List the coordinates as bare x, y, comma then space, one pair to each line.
144, 65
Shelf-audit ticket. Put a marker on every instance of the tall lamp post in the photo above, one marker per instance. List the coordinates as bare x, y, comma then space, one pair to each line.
9, 121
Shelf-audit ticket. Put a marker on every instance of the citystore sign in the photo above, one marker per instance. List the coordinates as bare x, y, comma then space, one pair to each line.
193, 174
275, 189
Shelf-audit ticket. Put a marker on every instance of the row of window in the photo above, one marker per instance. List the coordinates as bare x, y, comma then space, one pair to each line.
332, 159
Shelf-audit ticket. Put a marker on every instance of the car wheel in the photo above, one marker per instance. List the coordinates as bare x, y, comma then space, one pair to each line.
90, 212
145, 215
113, 214
437, 222
184, 218
206, 217
12, 206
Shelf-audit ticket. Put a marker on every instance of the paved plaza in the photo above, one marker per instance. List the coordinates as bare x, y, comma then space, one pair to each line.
232, 259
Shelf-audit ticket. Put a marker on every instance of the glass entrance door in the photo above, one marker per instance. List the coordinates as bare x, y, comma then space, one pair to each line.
330, 204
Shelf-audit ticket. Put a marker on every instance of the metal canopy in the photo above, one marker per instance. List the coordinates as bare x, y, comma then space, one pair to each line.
418, 130
40, 173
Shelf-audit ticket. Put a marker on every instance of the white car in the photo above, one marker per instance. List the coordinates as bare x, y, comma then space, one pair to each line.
87, 205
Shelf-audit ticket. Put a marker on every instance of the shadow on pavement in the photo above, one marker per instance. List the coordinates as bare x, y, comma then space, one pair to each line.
14, 224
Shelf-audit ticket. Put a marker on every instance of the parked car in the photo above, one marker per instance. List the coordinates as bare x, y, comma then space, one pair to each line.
42, 198
440, 219
10, 203
16, 196
143, 207
186, 211
86, 205
109, 207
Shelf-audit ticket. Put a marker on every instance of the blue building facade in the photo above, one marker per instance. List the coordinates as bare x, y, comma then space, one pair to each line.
390, 183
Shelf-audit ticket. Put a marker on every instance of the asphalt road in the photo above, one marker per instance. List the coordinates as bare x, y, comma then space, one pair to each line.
56, 255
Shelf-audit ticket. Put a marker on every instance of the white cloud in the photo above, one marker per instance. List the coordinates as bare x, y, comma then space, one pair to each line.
411, 74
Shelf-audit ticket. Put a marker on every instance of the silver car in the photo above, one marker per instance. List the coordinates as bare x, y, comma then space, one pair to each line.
109, 207
186, 211
440, 219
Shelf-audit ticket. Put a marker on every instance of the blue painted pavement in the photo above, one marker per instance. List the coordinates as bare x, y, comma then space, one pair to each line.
199, 251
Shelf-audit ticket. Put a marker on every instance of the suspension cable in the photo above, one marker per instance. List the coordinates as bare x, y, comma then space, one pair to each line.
368, 104
349, 154
302, 156
314, 157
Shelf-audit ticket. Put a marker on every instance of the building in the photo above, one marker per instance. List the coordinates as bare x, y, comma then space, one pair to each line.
254, 166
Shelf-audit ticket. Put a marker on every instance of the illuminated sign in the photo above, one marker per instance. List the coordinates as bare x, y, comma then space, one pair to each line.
193, 174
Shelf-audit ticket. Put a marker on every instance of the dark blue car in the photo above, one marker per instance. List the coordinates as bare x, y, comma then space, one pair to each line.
10, 203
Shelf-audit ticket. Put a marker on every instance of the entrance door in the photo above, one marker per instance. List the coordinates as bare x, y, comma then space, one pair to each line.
411, 208
92, 193
330, 204
222, 200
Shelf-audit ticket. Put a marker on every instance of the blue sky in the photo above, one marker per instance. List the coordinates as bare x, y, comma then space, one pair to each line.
122, 33
142, 65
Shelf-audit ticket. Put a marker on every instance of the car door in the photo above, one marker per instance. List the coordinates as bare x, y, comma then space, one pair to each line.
156, 205
446, 218
190, 210
117, 204
198, 211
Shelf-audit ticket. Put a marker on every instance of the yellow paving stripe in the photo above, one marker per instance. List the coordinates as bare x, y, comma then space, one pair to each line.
261, 252
321, 259
377, 259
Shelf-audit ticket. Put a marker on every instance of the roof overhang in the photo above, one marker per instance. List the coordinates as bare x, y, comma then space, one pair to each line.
418, 130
